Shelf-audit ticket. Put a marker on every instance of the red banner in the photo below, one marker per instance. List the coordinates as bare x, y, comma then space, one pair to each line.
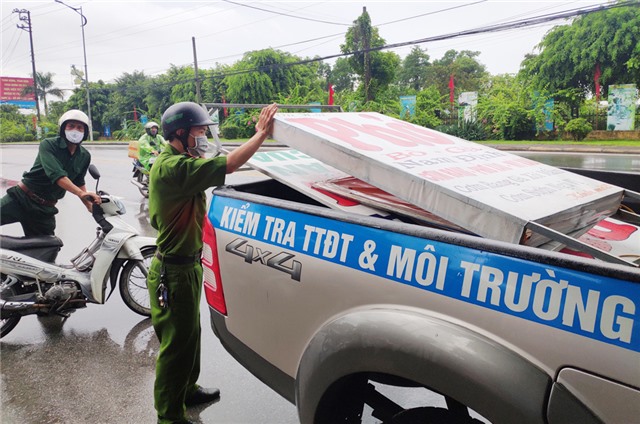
11, 88
331, 92
596, 79
451, 87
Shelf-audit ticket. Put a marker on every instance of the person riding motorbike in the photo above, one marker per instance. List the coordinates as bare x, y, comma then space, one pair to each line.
61, 166
150, 144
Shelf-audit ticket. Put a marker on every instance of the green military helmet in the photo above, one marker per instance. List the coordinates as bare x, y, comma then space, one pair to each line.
183, 115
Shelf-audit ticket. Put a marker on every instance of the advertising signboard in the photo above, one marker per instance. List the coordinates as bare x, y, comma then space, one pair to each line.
11, 92
489, 192
622, 107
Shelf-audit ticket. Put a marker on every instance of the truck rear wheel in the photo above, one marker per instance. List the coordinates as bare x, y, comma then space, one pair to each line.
355, 398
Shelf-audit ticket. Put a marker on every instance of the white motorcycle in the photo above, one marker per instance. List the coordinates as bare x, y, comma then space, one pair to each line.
31, 284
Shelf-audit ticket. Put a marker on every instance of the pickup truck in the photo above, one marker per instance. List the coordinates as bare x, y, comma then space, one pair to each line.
376, 317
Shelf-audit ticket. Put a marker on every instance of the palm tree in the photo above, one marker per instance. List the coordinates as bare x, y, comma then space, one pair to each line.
44, 86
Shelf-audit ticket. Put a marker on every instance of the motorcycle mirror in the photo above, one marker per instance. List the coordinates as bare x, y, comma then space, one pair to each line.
93, 170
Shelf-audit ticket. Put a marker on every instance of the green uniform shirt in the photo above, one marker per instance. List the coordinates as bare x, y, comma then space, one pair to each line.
177, 201
53, 162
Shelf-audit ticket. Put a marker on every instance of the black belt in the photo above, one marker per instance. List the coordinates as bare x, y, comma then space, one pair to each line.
179, 260
39, 200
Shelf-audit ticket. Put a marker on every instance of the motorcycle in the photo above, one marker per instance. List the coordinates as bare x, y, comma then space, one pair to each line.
32, 284
141, 176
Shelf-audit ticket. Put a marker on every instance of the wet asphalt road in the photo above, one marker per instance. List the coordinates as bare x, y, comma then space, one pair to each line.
98, 365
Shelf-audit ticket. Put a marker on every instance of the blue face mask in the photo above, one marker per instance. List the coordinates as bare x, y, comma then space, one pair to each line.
201, 147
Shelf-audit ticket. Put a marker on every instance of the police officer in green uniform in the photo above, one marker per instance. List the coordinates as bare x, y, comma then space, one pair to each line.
60, 166
150, 144
177, 204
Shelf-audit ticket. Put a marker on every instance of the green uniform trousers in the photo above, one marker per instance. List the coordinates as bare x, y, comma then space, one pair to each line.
178, 330
36, 219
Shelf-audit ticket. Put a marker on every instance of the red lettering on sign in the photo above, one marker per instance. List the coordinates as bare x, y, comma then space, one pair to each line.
489, 168
405, 155
611, 231
396, 133
336, 130
386, 134
422, 133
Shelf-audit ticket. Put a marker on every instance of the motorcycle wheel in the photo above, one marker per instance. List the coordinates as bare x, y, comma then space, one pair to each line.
133, 283
9, 323
144, 180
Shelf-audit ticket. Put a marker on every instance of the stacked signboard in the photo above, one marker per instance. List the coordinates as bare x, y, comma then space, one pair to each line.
487, 192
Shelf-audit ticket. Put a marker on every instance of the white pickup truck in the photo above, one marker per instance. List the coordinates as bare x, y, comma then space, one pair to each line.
364, 314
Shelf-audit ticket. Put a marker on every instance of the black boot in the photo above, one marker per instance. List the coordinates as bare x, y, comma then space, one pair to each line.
202, 395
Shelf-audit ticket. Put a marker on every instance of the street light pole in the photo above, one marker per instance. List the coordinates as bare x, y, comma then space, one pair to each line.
83, 21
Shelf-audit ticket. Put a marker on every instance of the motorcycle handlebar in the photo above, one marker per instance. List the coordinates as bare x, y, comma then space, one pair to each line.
98, 216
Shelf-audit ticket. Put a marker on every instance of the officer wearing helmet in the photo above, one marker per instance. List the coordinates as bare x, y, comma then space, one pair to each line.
150, 144
59, 167
177, 204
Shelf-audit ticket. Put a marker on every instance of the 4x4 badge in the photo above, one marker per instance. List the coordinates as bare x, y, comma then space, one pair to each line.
276, 261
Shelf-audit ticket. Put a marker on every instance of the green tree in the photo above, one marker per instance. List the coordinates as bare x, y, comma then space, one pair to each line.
15, 126
414, 70
468, 73
376, 69
342, 76
569, 53
101, 101
44, 87
260, 76
428, 107
505, 108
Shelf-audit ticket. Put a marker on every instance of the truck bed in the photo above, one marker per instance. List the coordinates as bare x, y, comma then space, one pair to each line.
321, 304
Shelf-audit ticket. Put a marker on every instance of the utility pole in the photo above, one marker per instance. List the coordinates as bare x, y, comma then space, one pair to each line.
195, 63
83, 22
27, 28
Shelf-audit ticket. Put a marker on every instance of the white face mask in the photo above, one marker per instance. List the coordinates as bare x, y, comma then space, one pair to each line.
74, 136
201, 147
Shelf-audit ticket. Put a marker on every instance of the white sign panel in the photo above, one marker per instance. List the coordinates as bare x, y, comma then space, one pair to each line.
489, 192
300, 171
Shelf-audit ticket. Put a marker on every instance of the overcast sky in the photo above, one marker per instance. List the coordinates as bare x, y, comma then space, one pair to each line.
149, 36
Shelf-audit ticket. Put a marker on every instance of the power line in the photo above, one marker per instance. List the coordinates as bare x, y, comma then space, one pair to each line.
539, 20
431, 13
286, 14
332, 36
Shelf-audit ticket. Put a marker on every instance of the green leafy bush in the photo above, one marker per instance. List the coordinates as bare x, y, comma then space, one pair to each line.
133, 131
519, 125
578, 128
468, 130
230, 131
240, 125
11, 131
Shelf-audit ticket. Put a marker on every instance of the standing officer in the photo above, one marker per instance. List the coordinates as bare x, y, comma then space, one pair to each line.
60, 166
177, 205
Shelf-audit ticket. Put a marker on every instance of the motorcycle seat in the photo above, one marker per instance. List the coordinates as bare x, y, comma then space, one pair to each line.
22, 243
